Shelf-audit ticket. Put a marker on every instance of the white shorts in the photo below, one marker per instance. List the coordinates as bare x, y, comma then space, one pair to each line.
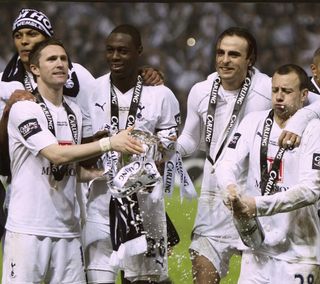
217, 251
261, 269
33, 259
98, 248
214, 235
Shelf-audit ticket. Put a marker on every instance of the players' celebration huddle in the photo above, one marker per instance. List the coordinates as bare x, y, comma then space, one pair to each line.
87, 163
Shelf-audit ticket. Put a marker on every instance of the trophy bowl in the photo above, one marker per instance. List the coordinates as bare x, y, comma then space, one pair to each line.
136, 172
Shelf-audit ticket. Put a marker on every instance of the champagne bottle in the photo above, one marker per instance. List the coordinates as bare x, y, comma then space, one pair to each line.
250, 231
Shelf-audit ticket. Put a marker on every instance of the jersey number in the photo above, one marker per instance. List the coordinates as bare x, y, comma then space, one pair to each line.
310, 278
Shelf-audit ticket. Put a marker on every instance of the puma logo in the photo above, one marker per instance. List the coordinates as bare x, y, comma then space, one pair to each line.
101, 106
160, 262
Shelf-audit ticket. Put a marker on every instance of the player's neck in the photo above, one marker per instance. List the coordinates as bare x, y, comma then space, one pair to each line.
52, 95
124, 84
26, 66
281, 121
232, 84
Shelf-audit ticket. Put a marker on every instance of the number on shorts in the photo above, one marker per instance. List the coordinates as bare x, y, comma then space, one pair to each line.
310, 278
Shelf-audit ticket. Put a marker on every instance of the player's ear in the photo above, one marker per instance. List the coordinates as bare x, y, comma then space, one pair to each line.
140, 49
313, 69
34, 69
304, 95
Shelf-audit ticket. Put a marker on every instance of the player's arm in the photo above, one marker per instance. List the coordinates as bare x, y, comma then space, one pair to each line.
121, 142
151, 76
16, 96
189, 140
305, 192
297, 124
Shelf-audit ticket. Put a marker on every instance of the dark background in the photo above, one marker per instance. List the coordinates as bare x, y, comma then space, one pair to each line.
285, 32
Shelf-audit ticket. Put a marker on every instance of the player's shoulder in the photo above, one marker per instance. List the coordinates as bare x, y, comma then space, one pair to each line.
102, 81
25, 107
261, 83
313, 126
205, 85
160, 91
255, 116
82, 72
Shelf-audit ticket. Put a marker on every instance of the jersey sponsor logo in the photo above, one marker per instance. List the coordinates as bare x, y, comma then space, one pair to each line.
275, 189
280, 171
233, 143
49, 171
101, 106
29, 128
316, 161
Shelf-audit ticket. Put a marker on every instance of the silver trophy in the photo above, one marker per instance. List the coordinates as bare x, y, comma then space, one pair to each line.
137, 172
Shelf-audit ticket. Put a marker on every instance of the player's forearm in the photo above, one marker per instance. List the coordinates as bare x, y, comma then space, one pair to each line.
60, 155
296, 197
187, 144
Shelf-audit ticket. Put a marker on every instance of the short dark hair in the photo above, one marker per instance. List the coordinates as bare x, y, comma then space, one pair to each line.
131, 31
302, 75
316, 54
243, 33
34, 54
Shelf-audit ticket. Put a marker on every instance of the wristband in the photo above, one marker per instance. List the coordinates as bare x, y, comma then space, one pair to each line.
105, 144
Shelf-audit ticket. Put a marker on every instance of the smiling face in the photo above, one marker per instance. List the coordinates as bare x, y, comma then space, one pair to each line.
52, 67
122, 55
24, 41
287, 97
232, 61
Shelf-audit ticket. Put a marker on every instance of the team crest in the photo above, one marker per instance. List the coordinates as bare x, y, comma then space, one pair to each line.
316, 161
139, 112
29, 128
178, 118
233, 143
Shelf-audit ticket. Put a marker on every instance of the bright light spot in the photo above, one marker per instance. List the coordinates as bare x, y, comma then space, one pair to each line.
191, 41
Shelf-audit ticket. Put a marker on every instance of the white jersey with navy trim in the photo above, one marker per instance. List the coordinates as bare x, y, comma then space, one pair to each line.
192, 138
38, 204
6, 89
158, 109
293, 236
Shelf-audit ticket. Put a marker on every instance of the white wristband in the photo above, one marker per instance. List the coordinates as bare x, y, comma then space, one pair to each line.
105, 144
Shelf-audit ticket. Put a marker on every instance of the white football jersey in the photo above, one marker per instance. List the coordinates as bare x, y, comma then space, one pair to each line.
6, 89
158, 109
192, 138
40, 205
293, 236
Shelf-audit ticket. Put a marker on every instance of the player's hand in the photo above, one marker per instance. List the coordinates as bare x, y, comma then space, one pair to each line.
242, 207
152, 77
289, 140
18, 95
125, 143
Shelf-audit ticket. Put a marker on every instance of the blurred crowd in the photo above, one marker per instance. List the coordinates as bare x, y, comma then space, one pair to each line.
177, 37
